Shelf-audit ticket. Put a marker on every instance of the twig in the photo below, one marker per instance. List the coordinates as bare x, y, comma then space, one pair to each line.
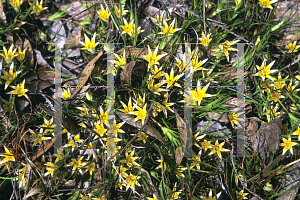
297, 60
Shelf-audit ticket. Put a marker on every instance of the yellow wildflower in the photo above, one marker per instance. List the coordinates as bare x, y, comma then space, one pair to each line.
293, 47
279, 84
210, 197
154, 198
196, 65
170, 79
265, 86
8, 156
38, 7
122, 171
59, 156
142, 137
266, 3
140, 101
241, 195
157, 72
103, 116
100, 129
121, 60
218, 148
200, 93
153, 58
38, 138
19, 90
21, 55
141, 113
50, 168
76, 163
168, 29
172, 194
160, 18
103, 14
118, 11
48, 125
165, 103
275, 95
271, 113
10, 75
66, 94
264, 70
128, 27
129, 160
15, 3
127, 109
297, 132
91, 168
205, 145
9, 55
181, 63
155, 88
226, 46
196, 159
205, 40
287, 145
233, 119
88, 44
131, 180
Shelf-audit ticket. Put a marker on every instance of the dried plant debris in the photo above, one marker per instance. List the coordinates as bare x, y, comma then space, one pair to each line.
266, 140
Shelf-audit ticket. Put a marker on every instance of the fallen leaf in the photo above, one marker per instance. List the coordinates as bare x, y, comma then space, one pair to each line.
266, 140
73, 41
45, 75
139, 53
148, 129
287, 39
179, 152
28, 54
74, 10
33, 191
40, 60
86, 73
70, 183
2, 14
57, 32
223, 117
126, 73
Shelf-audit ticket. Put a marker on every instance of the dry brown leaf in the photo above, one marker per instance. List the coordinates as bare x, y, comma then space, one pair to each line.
33, 191
179, 152
70, 183
126, 73
40, 60
44, 74
2, 14
86, 73
287, 39
223, 117
74, 39
139, 53
148, 129
74, 9
28, 53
